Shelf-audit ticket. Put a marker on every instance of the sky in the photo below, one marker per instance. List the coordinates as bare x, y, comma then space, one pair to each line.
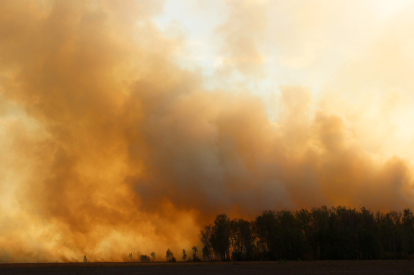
125, 126
330, 48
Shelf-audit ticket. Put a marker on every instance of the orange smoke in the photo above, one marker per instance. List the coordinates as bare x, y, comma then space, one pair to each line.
109, 147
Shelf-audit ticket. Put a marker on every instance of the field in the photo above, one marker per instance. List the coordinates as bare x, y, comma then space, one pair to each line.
294, 267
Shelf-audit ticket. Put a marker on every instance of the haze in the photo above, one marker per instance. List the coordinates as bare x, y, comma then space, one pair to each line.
127, 125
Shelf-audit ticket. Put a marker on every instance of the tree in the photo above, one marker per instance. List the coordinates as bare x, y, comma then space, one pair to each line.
303, 220
242, 240
319, 234
220, 237
408, 232
145, 259
205, 236
265, 225
389, 234
194, 248
153, 255
184, 255
170, 256
368, 236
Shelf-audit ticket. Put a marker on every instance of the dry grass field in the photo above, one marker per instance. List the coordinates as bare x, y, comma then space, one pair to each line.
302, 267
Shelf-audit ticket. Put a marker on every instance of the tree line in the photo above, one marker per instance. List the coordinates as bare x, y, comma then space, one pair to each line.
318, 234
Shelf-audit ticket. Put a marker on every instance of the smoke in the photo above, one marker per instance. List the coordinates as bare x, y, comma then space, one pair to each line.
108, 147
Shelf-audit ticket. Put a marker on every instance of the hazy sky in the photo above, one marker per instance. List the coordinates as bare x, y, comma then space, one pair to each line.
126, 125
356, 51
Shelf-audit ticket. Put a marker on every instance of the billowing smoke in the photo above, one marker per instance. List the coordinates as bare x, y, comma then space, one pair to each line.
108, 147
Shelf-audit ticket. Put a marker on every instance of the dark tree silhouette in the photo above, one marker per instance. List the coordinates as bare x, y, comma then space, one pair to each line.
170, 256
145, 259
205, 237
319, 234
220, 237
184, 255
194, 248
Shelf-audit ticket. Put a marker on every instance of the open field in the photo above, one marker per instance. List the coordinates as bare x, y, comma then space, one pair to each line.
302, 267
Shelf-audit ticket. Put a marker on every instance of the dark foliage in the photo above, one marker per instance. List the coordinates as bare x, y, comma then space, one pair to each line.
170, 256
338, 233
145, 259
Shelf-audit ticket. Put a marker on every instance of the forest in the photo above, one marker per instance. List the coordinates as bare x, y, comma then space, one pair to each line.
337, 233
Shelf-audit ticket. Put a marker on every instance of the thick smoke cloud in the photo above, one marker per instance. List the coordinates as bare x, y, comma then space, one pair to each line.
109, 147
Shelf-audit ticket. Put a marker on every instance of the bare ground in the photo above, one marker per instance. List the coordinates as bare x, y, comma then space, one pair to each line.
294, 267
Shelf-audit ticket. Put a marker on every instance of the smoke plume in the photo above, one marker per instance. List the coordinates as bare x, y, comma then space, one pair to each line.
109, 147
